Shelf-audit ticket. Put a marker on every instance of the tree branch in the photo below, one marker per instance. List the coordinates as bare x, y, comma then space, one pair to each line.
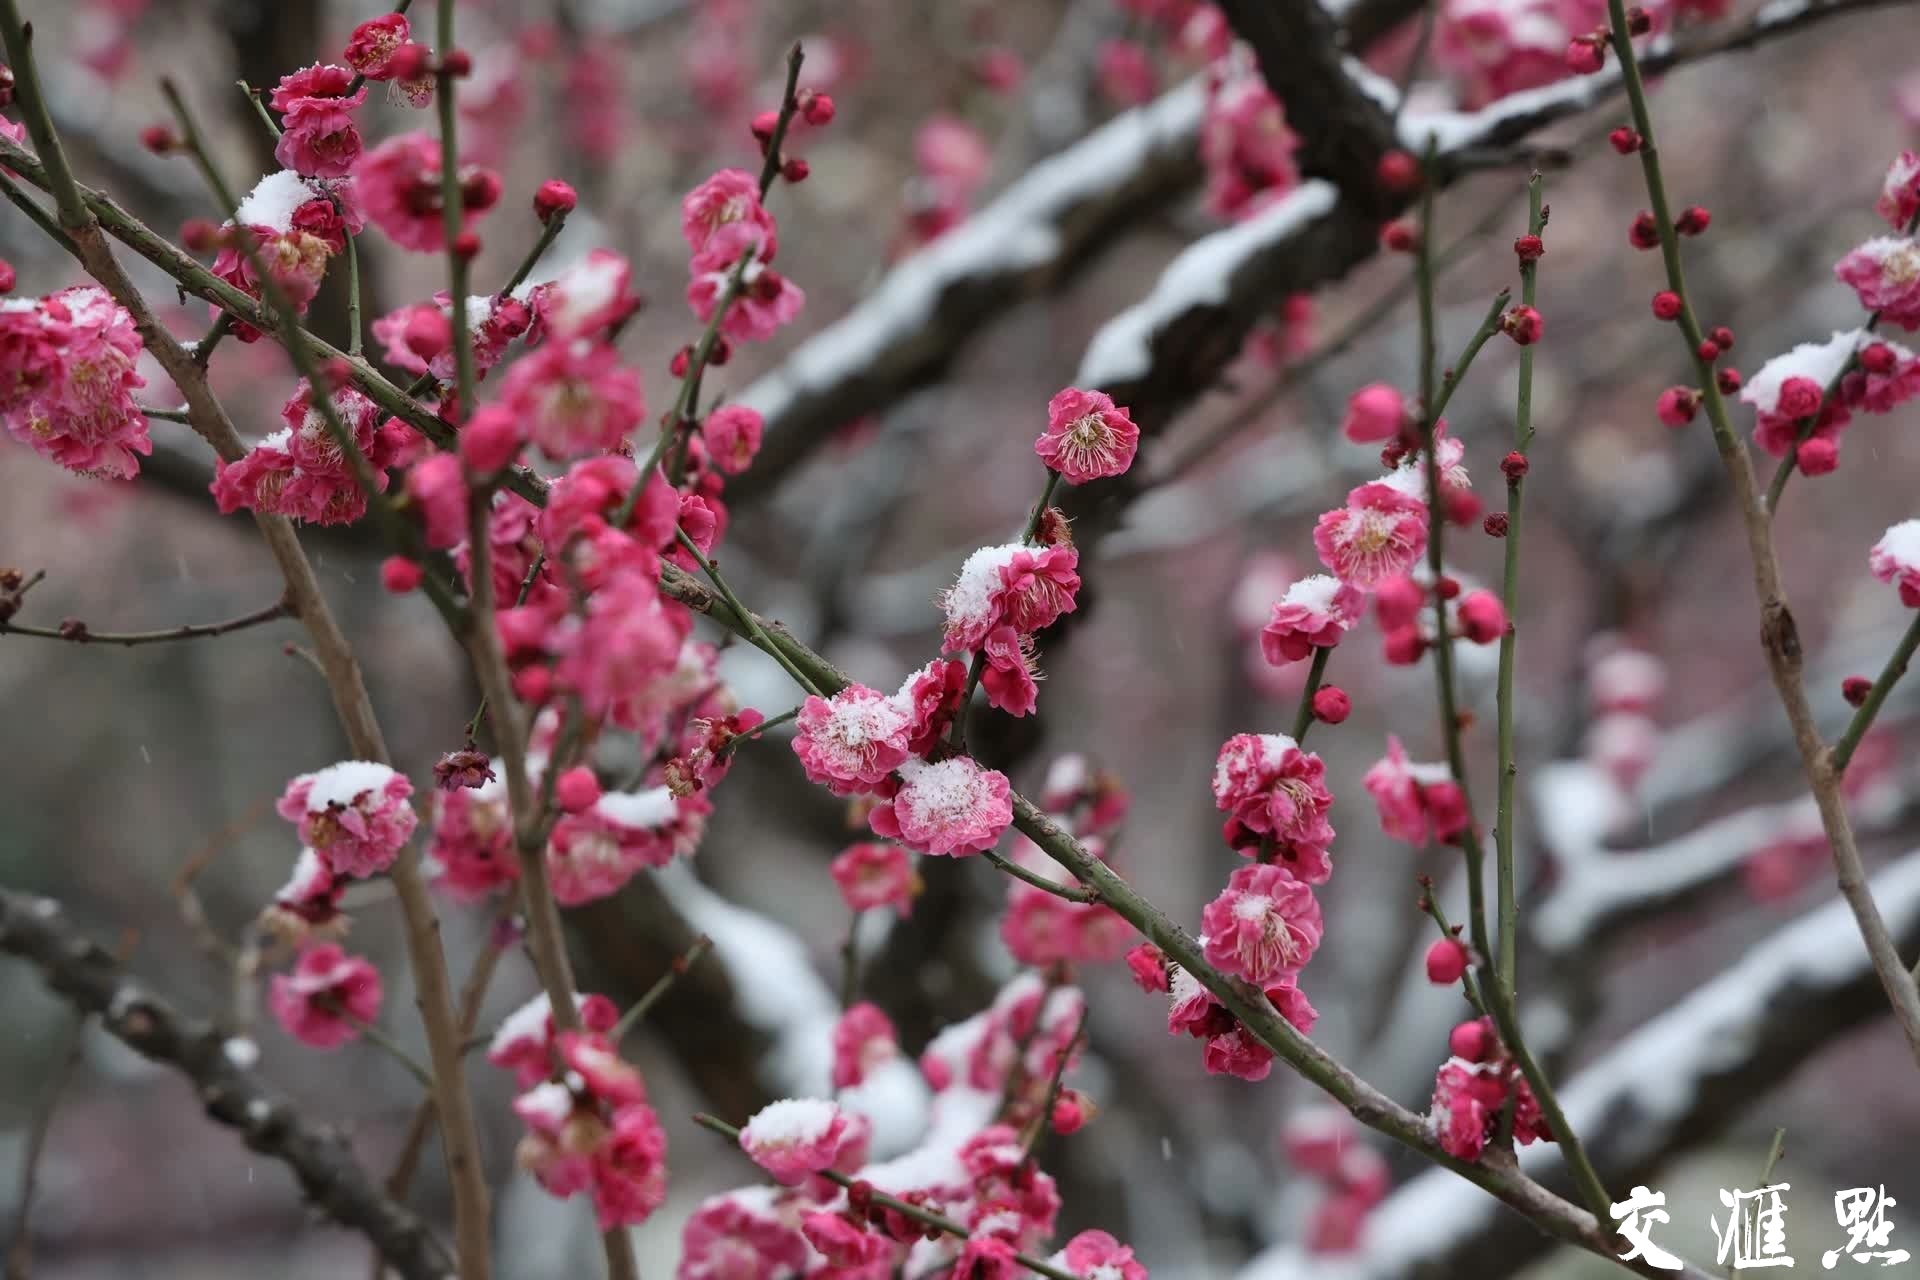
87, 976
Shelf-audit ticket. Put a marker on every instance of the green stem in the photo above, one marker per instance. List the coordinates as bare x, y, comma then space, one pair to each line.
353, 297
1303, 718
1042, 1121
1501, 1007
1896, 667
1039, 881
453, 215
664, 983
759, 636
1507, 911
260, 109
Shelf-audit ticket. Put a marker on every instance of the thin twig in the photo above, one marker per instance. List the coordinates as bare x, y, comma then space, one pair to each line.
1779, 633
77, 632
663, 984
1857, 727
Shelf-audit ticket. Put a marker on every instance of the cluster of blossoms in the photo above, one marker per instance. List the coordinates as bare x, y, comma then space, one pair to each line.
353, 818
302, 471
863, 742
1492, 48
1472, 1089
1322, 1143
1804, 399
68, 371
588, 1125
973, 1165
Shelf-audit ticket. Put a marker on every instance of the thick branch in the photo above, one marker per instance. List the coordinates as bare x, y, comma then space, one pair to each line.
87, 976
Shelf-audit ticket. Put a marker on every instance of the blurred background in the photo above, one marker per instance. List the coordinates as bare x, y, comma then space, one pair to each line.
1668, 853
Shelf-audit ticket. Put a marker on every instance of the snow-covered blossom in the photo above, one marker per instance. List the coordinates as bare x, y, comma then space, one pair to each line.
1468, 1098
67, 377
949, 807
1900, 194
1378, 534
1275, 792
308, 905
354, 815
1789, 387
795, 1137
1263, 926
1885, 273
1095, 1255
1023, 586
327, 998
1896, 559
592, 1131
587, 298
524, 1043
745, 1233
302, 471
592, 854
853, 740
871, 875
1314, 614
1415, 800
1087, 436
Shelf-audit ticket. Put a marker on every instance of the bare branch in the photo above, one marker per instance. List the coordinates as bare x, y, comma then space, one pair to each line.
87, 976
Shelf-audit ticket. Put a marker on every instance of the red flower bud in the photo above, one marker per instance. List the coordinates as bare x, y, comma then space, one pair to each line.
457, 64
1728, 379
466, 245
1400, 236
1878, 357
554, 197
1644, 233
1495, 524
1331, 704
1523, 324
400, 575
1855, 690
1398, 172
159, 139
794, 169
1586, 55
1639, 21
815, 108
1666, 305
1722, 337
1446, 962
1626, 141
1692, 220
1677, 405
1529, 248
1514, 465
1708, 350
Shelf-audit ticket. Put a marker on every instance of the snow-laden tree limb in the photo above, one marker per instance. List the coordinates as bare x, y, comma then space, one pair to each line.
1597, 889
219, 1067
1675, 1081
1022, 244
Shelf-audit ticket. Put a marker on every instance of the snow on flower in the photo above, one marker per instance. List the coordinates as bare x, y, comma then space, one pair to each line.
1087, 436
1896, 559
1276, 793
353, 814
587, 298
795, 1137
327, 998
1263, 926
743, 1233
1415, 800
1026, 587
1789, 387
1468, 1098
1095, 1255
524, 1041
950, 807
853, 740
1378, 534
1899, 200
67, 377
1885, 273
1314, 614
